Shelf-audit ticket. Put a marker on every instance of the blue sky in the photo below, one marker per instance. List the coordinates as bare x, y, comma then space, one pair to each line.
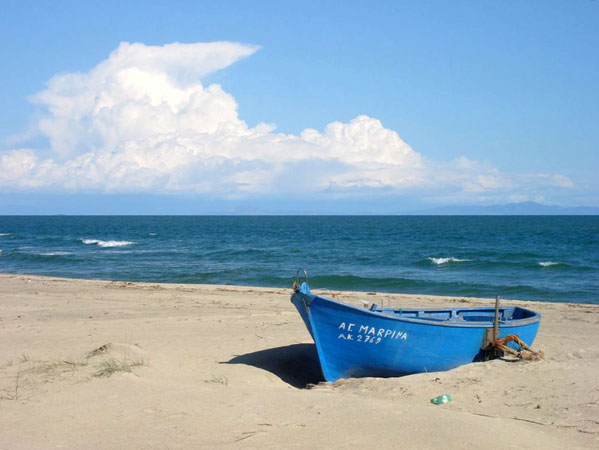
432, 103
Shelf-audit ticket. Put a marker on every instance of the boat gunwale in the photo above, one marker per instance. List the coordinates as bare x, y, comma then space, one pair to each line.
380, 314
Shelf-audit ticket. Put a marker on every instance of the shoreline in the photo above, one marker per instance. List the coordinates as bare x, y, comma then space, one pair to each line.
225, 366
324, 291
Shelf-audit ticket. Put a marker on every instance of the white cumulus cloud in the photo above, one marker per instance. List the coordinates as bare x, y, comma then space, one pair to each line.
143, 121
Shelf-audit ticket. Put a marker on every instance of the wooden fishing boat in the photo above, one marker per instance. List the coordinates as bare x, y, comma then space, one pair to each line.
382, 342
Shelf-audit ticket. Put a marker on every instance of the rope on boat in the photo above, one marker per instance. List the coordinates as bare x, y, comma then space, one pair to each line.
523, 352
495, 347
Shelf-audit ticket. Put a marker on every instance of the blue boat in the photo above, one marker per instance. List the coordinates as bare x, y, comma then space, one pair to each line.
384, 342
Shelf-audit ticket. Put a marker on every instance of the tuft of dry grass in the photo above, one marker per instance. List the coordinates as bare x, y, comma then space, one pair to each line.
113, 365
56, 366
20, 378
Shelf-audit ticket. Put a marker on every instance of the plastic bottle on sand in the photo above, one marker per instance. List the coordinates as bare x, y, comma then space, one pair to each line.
439, 400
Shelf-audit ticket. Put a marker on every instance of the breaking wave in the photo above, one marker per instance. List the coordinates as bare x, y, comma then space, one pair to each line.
439, 261
548, 263
107, 244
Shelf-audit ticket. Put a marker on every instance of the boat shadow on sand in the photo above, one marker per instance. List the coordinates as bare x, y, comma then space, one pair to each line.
295, 364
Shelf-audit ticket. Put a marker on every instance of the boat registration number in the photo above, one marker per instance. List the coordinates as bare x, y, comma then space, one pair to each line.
368, 334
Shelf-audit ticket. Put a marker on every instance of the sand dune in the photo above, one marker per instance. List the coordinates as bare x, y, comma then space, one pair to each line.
113, 365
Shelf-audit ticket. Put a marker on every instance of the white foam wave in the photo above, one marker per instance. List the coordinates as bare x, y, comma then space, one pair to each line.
439, 261
153, 234
55, 253
105, 244
5, 234
548, 263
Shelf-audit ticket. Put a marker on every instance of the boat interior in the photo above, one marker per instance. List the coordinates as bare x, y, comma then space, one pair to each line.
506, 314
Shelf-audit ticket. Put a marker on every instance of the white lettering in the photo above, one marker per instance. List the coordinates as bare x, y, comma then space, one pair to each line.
370, 334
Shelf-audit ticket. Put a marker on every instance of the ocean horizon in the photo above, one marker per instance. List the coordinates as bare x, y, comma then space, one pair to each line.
544, 258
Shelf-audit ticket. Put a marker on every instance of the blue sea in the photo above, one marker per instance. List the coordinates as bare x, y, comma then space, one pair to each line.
549, 258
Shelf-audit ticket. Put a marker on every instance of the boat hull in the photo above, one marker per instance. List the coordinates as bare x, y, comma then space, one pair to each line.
357, 342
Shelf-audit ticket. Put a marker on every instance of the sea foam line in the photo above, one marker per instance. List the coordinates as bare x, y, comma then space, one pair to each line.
101, 243
439, 261
5, 234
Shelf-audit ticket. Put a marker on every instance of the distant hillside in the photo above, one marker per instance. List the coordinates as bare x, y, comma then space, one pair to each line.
517, 209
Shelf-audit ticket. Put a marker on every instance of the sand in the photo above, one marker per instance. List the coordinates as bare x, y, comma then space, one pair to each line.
114, 365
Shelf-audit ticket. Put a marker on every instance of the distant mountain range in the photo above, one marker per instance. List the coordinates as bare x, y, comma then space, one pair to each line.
123, 204
517, 209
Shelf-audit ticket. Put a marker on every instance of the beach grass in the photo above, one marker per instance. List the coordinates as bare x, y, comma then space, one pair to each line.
112, 365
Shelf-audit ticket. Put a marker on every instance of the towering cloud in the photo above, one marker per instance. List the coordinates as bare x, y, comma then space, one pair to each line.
143, 121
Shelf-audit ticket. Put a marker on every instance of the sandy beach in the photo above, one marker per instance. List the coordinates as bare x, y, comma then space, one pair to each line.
116, 365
